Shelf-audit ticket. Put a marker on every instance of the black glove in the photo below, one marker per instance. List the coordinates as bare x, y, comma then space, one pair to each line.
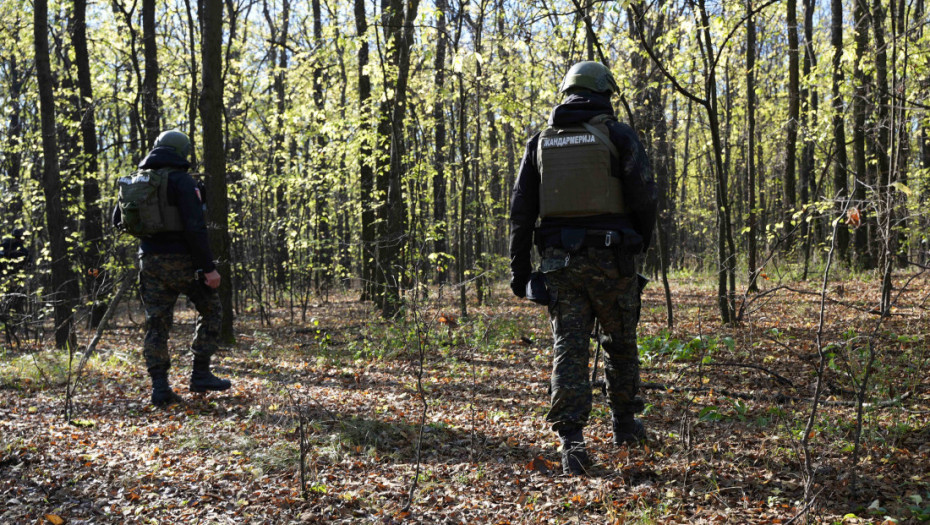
518, 284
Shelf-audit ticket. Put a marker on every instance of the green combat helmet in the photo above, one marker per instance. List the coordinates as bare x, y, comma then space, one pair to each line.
593, 76
175, 140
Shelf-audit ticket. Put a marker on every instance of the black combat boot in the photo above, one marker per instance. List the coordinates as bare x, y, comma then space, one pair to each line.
575, 459
628, 430
162, 395
202, 380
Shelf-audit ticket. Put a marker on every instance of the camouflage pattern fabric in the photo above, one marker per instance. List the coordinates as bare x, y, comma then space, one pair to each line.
594, 283
162, 277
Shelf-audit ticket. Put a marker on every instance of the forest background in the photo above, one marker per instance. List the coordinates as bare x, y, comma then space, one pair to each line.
367, 149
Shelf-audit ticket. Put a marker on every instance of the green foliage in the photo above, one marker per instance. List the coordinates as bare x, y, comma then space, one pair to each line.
663, 345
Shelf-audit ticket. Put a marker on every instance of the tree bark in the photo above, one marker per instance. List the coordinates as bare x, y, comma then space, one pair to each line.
399, 16
214, 154
279, 61
64, 290
751, 147
93, 217
366, 173
150, 82
440, 221
864, 258
810, 105
13, 160
884, 242
726, 251
325, 246
840, 179
794, 111
192, 100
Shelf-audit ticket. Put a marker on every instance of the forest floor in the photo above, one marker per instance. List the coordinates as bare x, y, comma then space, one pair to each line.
726, 413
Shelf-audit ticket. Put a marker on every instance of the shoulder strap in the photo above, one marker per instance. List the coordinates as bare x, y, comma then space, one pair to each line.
600, 135
163, 185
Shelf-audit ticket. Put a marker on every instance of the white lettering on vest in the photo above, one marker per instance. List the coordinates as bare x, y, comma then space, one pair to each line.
572, 140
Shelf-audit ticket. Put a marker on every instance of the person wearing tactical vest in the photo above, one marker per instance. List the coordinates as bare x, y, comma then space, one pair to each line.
175, 258
586, 180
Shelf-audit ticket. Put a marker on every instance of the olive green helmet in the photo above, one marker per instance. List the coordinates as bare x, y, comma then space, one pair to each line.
593, 76
175, 140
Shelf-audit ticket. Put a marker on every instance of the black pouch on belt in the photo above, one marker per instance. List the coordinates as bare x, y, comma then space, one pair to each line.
573, 239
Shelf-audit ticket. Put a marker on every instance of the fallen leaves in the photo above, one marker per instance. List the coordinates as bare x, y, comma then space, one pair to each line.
487, 456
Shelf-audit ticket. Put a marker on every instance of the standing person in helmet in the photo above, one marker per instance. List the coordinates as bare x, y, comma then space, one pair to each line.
586, 177
173, 261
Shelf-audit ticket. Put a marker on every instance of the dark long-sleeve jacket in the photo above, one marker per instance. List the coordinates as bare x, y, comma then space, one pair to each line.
632, 167
182, 192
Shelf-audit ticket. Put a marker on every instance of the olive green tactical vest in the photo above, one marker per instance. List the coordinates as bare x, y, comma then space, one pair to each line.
574, 169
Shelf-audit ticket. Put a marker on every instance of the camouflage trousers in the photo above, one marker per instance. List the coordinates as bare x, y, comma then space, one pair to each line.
596, 283
162, 277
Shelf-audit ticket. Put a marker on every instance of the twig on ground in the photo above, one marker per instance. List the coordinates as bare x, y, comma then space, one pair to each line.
71, 387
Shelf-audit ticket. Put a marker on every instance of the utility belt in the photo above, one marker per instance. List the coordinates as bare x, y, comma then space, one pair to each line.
572, 240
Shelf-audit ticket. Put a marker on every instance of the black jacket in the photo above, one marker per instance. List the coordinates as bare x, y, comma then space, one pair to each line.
181, 193
633, 167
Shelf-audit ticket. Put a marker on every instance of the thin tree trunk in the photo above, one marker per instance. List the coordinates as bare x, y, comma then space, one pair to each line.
366, 174
440, 221
884, 242
864, 258
726, 252
400, 25
13, 158
194, 92
840, 179
64, 290
462, 252
93, 217
751, 146
794, 111
810, 106
214, 155
150, 82
325, 258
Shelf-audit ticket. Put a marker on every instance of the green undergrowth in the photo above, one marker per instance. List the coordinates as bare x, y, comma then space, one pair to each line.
45, 369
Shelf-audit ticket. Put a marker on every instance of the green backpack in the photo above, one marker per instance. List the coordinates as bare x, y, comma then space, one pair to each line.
143, 203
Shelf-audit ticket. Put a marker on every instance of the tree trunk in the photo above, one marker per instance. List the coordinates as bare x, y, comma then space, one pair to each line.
864, 257
279, 60
794, 111
64, 290
366, 174
840, 179
884, 243
93, 217
13, 159
725, 248
192, 100
214, 154
400, 17
325, 245
150, 82
751, 147
462, 252
440, 221
810, 106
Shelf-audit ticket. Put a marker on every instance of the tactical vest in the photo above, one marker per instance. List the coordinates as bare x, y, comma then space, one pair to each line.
574, 169
143, 202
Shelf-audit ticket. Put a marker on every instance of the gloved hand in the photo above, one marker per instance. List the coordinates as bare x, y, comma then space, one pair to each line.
518, 284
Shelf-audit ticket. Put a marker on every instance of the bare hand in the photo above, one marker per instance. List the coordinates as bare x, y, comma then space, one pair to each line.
212, 279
